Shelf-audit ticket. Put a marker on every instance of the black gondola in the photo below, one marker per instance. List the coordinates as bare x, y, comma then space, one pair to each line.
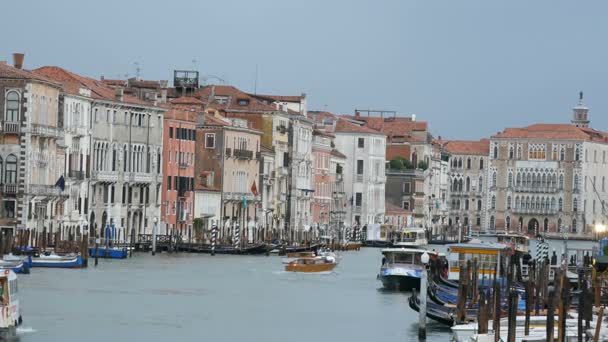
257, 249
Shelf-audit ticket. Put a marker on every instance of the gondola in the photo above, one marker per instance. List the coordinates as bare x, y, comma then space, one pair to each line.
439, 313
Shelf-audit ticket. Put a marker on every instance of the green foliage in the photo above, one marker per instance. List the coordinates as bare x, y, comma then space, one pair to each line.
423, 165
396, 164
198, 225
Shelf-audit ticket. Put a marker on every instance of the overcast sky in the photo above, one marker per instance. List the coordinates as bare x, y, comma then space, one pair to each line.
469, 68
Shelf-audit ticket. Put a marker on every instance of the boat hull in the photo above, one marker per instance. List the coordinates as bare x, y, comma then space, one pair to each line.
400, 282
74, 262
111, 253
249, 250
310, 268
377, 244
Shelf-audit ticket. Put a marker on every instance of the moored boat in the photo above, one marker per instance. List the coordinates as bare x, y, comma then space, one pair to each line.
410, 237
9, 305
16, 266
312, 265
58, 261
402, 268
109, 252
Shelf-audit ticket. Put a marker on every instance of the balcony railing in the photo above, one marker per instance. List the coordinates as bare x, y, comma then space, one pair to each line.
45, 190
140, 177
11, 127
10, 189
46, 131
243, 154
105, 176
359, 178
238, 196
535, 189
541, 211
357, 209
183, 165
74, 174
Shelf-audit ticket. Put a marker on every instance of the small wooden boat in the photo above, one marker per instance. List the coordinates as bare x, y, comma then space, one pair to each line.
312, 265
58, 261
109, 253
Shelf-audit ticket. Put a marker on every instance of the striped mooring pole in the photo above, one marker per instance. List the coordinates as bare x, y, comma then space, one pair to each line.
542, 250
213, 238
348, 234
237, 236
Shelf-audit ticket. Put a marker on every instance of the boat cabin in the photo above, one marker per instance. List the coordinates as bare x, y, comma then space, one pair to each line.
488, 255
405, 256
379, 232
410, 237
9, 299
519, 243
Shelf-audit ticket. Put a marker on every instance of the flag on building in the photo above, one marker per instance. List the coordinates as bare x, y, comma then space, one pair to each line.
60, 183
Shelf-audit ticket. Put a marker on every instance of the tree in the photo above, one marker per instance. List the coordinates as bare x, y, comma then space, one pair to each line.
396, 164
423, 165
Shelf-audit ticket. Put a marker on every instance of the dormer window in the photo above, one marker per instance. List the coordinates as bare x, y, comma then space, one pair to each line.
243, 102
220, 99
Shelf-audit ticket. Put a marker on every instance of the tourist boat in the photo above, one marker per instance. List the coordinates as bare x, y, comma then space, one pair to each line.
109, 252
489, 257
519, 243
378, 235
297, 255
9, 305
401, 268
410, 237
312, 265
58, 261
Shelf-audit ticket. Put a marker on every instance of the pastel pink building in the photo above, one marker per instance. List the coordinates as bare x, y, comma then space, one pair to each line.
322, 183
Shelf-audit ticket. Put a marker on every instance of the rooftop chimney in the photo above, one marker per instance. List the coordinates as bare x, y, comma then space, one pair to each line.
413, 117
18, 60
119, 94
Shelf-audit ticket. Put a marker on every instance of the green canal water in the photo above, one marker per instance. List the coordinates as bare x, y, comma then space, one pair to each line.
187, 297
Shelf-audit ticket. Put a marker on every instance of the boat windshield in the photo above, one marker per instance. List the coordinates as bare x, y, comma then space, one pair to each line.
484, 261
405, 258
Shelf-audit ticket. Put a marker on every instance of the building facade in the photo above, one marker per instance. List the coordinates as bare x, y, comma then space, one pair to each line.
322, 179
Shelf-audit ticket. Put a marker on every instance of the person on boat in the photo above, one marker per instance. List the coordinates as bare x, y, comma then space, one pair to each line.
383, 261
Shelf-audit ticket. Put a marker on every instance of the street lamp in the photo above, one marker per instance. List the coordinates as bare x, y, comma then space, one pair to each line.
423, 289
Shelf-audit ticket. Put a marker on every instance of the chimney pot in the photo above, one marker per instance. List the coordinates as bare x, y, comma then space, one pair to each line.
18, 60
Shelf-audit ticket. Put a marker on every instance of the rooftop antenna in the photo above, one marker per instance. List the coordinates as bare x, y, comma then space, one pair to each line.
137, 69
580, 97
255, 82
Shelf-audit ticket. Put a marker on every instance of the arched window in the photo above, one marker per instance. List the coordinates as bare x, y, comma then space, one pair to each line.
510, 179
466, 205
530, 180
575, 205
561, 182
603, 183
1, 170
577, 153
494, 179
552, 204
516, 202
114, 158
478, 205
493, 203
519, 152
575, 184
468, 184
559, 224
508, 221
560, 204
481, 163
125, 158
460, 163
508, 202
12, 107
468, 163
460, 185
491, 222
158, 163
458, 204
518, 179
495, 152
10, 173
544, 180
480, 184
562, 154
510, 152
574, 227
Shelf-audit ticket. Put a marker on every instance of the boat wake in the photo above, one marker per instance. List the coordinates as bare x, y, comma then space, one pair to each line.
25, 330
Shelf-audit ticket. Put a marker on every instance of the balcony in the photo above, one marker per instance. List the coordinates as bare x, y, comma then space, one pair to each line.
105, 176
140, 177
11, 127
359, 178
10, 189
183, 165
536, 189
539, 211
46, 131
238, 196
45, 190
77, 175
357, 209
243, 154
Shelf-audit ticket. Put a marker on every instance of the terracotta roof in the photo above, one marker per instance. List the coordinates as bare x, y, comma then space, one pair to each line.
481, 147
322, 133
144, 83
338, 154
7, 71
181, 114
322, 116
72, 84
397, 129
281, 98
114, 83
345, 126
553, 131
211, 120
188, 101
235, 98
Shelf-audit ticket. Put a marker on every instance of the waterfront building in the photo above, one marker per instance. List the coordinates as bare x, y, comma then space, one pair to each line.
299, 193
293, 103
179, 140
32, 149
267, 191
228, 158
339, 202
468, 164
404, 195
322, 179
364, 174
548, 178
125, 153
274, 122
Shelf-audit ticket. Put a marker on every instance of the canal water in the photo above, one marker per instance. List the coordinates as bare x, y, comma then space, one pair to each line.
183, 297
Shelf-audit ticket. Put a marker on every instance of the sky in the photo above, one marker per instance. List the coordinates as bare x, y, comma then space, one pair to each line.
469, 68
